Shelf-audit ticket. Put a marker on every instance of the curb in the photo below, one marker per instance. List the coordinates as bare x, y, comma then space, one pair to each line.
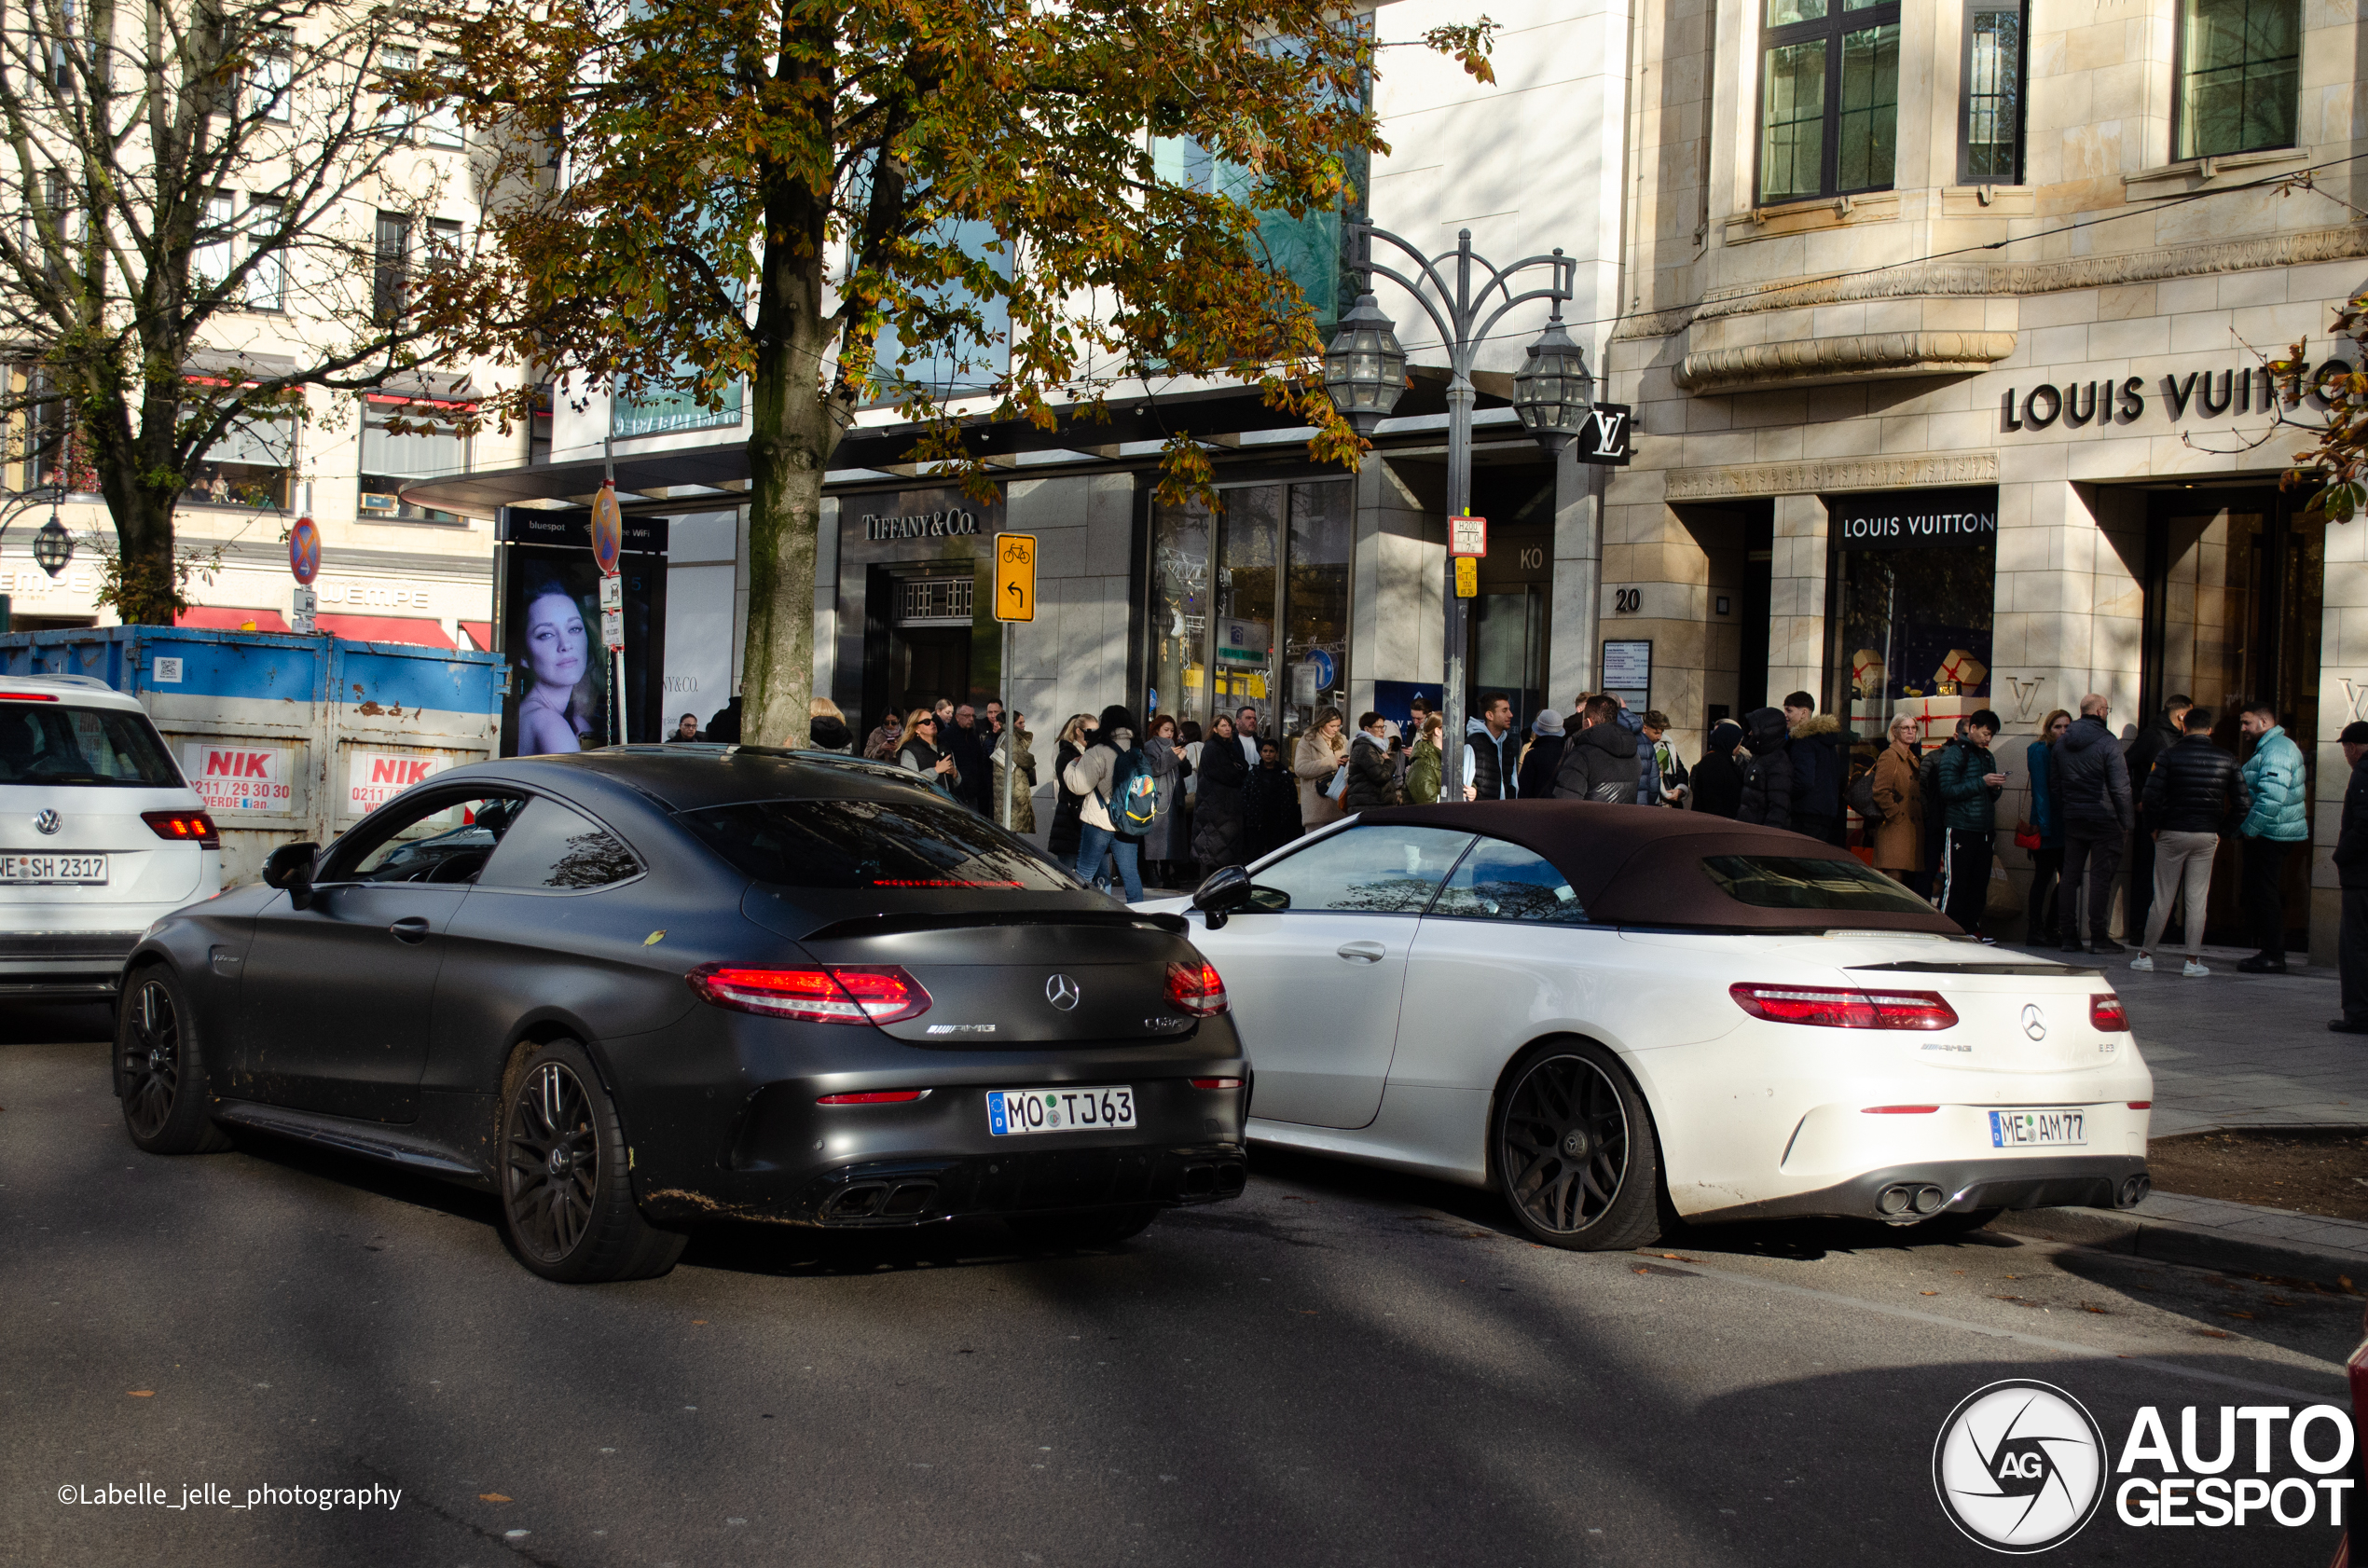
2195, 1246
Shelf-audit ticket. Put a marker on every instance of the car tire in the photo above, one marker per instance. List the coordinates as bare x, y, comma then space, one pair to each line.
1082, 1226
566, 1180
160, 1068
1942, 1226
1573, 1149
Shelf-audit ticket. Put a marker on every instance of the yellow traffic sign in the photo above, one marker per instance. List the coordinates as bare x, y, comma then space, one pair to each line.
1467, 577
1015, 577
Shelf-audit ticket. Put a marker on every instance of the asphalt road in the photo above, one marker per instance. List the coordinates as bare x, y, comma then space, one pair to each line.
1341, 1367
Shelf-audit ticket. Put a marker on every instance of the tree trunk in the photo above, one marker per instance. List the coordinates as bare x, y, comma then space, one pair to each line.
142, 487
795, 427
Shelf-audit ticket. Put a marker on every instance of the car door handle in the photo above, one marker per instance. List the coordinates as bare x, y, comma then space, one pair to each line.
410, 928
1364, 952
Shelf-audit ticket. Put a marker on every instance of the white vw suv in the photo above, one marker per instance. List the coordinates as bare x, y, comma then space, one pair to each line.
99, 836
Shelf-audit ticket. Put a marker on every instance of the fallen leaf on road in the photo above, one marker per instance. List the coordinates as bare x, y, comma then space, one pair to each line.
1928, 1293
492, 1497
698, 1323
2215, 1333
2093, 1307
2224, 1313
144, 1393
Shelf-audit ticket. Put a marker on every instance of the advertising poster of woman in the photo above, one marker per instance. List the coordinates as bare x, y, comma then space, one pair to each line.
562, 680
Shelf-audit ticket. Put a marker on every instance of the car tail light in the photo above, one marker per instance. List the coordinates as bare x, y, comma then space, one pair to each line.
1196, 988
1845, 1008
1899, 1111
184, 827
2107, 1013
2141, 1104
1217, 1083
876, 1098
27, 696
842, 995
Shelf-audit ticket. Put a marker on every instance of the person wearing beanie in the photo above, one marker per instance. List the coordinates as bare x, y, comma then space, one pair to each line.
1535, 779
1717, 778
2351, 871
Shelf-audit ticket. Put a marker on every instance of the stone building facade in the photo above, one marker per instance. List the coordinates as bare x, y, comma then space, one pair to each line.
1947, 328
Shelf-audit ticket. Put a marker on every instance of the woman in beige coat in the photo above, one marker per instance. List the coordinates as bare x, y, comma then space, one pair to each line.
1899, 833
1315, 759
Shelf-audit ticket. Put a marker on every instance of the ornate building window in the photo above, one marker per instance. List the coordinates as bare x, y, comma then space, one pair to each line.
1991, 143
2239, 75
1828, 98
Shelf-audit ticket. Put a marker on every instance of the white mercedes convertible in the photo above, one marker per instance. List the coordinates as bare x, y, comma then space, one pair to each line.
1618, 1016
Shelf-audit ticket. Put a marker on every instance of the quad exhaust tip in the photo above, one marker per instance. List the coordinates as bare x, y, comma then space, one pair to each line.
1904, 1202
2133, 1190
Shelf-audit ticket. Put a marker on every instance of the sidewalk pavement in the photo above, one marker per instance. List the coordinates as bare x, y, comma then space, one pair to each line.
2230, 1051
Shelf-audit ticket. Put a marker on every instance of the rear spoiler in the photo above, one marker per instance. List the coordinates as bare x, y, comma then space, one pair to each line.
897, 924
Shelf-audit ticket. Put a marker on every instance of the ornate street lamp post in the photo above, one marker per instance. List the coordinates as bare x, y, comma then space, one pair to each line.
1365, 371
52, 545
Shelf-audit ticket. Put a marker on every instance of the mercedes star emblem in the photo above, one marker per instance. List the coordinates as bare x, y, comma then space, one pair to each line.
2034, 1022
45, 820
1062, 992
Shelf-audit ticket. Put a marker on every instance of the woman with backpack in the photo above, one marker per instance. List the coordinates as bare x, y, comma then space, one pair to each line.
1118, 801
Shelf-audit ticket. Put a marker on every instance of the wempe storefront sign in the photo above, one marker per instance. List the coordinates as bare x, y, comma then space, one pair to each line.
1912, 520
920, 525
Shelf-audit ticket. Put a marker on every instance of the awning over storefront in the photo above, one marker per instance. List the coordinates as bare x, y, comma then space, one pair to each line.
385, 628
211, 617
480, 635
1210, 414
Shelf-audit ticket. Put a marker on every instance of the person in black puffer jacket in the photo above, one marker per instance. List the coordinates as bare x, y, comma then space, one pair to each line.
1373, 780
1217, 836
1599, 762
1768, 778
1820, 755
2192, 790
1535, 775
1718, 779
2092, 780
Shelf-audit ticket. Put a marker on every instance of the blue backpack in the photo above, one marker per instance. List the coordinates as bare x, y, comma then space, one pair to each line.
1135, 798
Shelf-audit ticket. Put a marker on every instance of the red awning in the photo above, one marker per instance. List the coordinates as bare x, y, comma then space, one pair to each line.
480, 633
385, 628
211, 617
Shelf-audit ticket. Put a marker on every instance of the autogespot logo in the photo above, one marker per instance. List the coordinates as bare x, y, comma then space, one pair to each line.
2019, 1467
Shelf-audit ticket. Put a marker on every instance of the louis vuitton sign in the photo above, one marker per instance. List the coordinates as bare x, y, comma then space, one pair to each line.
2246, 390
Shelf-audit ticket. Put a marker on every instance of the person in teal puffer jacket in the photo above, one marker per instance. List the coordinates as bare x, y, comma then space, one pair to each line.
2279, 820
1968, 783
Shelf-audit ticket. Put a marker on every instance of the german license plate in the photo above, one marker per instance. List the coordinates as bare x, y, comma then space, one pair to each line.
2037, 1129
53, 869
1011, 1112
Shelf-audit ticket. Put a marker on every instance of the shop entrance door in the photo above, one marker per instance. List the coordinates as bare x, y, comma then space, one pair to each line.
2232, 612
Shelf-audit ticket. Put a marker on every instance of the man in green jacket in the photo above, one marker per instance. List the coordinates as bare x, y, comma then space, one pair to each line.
1969, 781
2279, 819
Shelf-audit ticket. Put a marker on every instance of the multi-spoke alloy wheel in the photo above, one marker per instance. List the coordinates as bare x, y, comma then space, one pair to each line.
553, 1164
1575, 1151
159, 1071
567, 1184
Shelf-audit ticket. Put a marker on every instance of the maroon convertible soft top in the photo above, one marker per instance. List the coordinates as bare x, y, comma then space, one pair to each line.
1640, 865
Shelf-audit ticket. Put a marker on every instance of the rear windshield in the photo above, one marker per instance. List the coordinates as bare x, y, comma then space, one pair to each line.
918, 844
1786, 882
50, 743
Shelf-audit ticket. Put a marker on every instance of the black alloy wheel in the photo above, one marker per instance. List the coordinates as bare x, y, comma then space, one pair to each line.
567, 1192
159, 1075
1576, 1154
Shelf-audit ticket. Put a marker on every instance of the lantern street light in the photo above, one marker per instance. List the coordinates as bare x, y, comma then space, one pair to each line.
1365, 371
52, 545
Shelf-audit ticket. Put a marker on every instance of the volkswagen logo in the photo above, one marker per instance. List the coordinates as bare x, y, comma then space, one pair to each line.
45, 820
2035, 1021
1062, 992
2019, 1467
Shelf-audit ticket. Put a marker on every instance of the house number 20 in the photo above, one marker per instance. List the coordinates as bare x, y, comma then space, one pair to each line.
1627, 601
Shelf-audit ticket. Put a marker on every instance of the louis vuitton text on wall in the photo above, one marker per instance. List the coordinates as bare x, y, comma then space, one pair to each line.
2245, 390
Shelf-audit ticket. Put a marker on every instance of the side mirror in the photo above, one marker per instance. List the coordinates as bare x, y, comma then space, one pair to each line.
289, 868
1227, 889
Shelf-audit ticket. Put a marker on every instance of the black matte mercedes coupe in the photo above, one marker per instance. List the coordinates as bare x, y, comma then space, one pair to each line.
637, 989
